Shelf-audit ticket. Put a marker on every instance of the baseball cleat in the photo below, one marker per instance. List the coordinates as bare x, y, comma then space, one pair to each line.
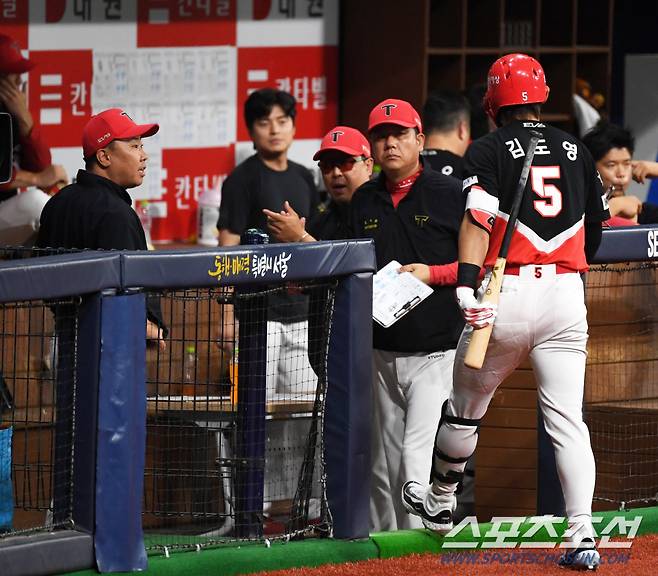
421, 501
585, 557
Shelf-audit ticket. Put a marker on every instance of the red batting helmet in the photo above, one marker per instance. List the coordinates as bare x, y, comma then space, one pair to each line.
514, 79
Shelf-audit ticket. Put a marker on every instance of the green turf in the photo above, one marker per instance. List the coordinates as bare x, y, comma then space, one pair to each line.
393, 544
248, 558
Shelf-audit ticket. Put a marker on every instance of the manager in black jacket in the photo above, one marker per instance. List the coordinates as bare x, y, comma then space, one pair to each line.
96, 212
413, 213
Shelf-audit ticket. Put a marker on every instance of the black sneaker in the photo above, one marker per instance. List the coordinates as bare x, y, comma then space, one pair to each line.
413, 498
585, 557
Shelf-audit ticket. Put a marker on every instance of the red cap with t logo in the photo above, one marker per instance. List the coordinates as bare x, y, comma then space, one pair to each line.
109, 125
394, 111
344, 139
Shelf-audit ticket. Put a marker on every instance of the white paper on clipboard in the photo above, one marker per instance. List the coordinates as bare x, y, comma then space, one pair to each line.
395, 294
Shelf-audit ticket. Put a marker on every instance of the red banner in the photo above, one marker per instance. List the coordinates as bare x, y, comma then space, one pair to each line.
308, 73
60, 94
185, 23
13, 20
190, 174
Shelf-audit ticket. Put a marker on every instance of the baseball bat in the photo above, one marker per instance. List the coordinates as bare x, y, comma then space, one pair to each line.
477, 347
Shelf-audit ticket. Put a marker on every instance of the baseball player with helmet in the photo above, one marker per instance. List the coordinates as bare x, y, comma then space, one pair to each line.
541, 313
413, 213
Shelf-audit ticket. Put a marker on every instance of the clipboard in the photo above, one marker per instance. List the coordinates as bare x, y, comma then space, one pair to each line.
395, 295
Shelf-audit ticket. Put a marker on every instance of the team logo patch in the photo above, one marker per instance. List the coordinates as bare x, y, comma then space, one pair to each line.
420, 220
370, 224
336, 135
388, 107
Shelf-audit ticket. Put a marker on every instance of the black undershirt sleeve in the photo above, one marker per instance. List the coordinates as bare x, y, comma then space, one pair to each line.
649, 214
593, 235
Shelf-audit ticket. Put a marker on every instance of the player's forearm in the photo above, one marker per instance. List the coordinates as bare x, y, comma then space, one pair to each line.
228, 238
35, 153
443, 274
473, 242
24, 178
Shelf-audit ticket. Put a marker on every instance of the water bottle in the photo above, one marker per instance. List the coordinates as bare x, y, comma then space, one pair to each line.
189, 371
207, 216
143, 211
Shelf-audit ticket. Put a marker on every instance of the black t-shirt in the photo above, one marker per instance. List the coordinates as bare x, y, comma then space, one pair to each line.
253, 186
94, 214
562, 193
331, 223
423, 228
444, 161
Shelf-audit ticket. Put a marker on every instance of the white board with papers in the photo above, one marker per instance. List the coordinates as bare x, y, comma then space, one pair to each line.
395, 294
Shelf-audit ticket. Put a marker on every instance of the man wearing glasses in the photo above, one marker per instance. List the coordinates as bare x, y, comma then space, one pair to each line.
345, 161
413, 213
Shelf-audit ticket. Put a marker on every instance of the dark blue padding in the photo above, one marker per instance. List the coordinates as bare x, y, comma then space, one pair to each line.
250, 449
119, 541
628, 244
266, 263
86, 413
348, 408
59, 276
57, 552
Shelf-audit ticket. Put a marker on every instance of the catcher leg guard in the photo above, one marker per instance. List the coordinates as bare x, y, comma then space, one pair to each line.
454, 444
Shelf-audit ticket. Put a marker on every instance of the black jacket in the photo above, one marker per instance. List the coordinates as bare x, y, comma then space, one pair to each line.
95, 214
332, 223
423, 228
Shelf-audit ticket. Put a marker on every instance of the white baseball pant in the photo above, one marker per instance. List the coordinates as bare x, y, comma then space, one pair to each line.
408, 391
289, 376
19, 217
289, 372
541, 315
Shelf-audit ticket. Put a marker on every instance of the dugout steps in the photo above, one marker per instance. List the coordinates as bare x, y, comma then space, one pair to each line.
233, 559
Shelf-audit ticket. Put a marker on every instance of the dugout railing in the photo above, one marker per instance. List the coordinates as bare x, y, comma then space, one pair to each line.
93, 513
96, 421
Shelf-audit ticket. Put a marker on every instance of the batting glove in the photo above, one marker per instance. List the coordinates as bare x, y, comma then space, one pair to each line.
477, 314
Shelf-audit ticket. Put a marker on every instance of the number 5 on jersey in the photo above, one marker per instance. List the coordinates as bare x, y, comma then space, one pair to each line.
551, 203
